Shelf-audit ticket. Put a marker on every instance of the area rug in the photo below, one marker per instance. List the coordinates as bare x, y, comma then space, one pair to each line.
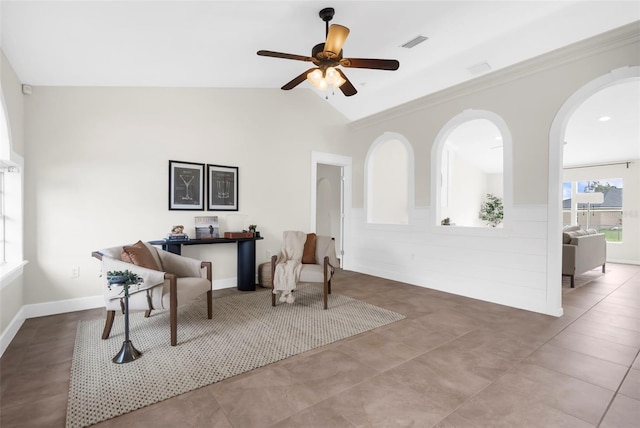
246, 332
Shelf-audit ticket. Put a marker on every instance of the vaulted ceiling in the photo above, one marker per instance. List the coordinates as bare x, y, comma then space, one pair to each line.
214, 43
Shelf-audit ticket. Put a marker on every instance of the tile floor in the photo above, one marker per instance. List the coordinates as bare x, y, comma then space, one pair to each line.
453, 362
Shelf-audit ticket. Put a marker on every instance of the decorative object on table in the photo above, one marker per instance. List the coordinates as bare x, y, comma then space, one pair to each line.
492, 210
445, 221
237, 235
252, 229
210, 352
177, 234
125, 278
186, 186
222, 194
207, 227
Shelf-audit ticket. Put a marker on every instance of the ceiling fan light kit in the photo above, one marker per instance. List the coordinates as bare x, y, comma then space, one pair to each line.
327, 57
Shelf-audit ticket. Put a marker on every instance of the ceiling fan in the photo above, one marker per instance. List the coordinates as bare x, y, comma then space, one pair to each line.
327, 57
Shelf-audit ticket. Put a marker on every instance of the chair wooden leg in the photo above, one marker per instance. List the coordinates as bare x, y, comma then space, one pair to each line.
108, 323
573, 282
147, 313
273, 299
603, 265
173, 308
209, 304
326, 293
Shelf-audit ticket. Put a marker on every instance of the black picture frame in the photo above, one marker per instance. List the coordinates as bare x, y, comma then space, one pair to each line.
186, 186
222, 190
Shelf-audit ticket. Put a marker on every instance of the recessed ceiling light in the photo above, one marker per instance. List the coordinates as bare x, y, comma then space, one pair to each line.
605, 118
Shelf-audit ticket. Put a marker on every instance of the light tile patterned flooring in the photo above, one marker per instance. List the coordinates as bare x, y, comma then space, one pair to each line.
453, 362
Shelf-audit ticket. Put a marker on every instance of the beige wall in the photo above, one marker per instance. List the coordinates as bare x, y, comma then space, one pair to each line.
98, 171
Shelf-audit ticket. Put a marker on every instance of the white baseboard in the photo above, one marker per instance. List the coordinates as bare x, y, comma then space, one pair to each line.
10, 332
624, 262
71, 305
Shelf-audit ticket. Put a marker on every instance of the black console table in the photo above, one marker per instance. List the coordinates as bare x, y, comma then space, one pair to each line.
246, 256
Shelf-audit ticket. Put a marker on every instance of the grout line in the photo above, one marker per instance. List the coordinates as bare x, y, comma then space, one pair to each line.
617, 391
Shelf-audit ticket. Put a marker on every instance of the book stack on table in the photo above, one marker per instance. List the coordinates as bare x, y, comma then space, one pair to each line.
177, 237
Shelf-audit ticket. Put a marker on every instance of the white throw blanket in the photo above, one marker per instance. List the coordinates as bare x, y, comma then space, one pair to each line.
289, 264
150, 277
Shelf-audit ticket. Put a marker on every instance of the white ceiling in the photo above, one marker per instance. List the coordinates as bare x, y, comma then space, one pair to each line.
214, 43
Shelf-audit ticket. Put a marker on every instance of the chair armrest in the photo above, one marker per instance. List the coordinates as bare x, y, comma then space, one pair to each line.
207, 267
180, 265
328, 266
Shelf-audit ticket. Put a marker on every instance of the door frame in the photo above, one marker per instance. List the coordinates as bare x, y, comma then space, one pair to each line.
346, 163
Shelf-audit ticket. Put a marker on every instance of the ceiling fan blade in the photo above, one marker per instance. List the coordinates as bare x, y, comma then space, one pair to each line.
335, 38
347, 88
285, 55
297, 80
376, 64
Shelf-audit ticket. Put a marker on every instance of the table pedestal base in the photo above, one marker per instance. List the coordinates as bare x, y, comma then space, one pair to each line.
127, 353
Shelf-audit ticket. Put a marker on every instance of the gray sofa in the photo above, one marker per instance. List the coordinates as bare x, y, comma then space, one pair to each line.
582, 251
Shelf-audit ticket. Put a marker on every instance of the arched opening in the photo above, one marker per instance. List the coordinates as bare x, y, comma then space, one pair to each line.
557, 138
389, 180
470, 168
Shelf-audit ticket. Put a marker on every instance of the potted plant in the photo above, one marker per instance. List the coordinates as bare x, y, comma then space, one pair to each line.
492, 210
252, 229
124, 278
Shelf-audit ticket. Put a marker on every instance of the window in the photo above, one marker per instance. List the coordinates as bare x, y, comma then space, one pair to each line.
11, 185
389, 180
605, 216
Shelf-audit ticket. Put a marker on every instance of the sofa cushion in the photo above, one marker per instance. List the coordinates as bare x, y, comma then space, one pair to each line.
309, 253
139, 255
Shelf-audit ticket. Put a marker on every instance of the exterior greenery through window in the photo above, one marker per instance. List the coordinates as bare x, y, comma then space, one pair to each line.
605, 217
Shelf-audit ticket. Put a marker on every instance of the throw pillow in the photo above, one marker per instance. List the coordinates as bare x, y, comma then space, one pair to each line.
139, 255
309, 253
571, 228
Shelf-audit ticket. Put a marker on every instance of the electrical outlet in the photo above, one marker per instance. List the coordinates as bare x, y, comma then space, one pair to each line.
75, 272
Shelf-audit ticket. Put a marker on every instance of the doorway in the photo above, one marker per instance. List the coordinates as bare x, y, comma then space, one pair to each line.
331, 199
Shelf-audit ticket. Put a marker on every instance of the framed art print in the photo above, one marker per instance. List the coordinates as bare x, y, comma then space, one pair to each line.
186, 186
222, 194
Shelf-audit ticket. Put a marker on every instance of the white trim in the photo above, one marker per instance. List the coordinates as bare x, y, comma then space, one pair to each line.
346, 163
70, 305
507, 168
10, 332
554, 191
221, 284
10, 272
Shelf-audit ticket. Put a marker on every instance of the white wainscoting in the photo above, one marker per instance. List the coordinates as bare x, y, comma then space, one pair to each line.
502, 265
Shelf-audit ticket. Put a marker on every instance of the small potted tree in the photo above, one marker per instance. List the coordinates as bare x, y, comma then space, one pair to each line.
492, 210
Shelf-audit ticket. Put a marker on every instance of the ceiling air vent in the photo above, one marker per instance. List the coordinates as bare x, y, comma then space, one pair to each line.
413, 42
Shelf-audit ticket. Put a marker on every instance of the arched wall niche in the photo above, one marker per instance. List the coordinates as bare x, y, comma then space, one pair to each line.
389, 180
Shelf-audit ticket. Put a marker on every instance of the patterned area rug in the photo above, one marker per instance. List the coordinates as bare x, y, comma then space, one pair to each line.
246, 332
